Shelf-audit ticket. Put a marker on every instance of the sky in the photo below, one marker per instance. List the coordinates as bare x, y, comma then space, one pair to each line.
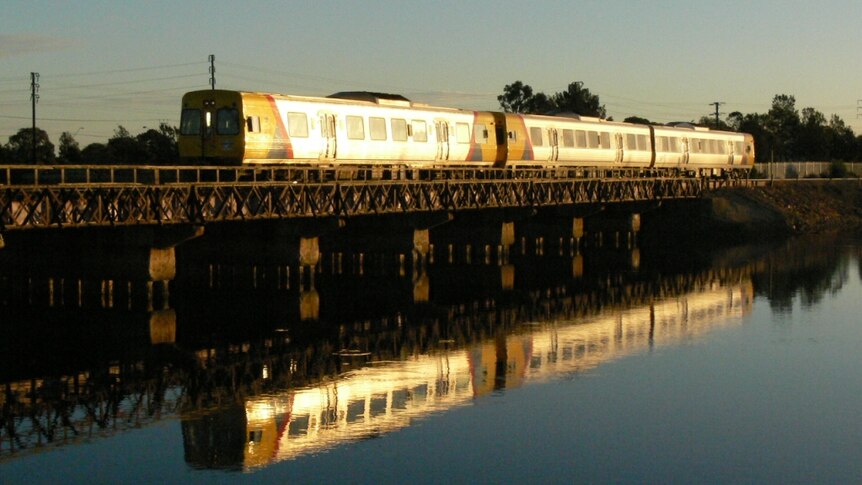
103, 64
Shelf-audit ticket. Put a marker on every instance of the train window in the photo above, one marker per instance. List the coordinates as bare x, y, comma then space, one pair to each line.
568, 138
420, 131
536, 136
673, 145
297, 125
252, 124
581, 139
737, 148
643, 144
227, 121
592, 139
190, 122
631, 141
462, 132
605, 140
399, 129
355, 128
480, 133
377, 128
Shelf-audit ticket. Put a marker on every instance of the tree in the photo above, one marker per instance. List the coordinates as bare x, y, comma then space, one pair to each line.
579, 100
843, 144
782, 121
709, 121
638, 120
734, 120
516, 97
20, 147
811, 139
520, 98
96, 153
70, 152
160, 145
123, 148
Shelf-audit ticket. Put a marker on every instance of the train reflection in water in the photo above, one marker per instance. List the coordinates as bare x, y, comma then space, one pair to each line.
250, 353
385, 396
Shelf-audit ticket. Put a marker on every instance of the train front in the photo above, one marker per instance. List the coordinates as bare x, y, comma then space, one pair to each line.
211, 127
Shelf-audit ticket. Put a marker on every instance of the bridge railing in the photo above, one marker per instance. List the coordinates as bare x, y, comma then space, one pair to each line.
114, 174
151, 175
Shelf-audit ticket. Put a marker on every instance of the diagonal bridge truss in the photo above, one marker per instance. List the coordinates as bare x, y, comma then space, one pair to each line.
56, 197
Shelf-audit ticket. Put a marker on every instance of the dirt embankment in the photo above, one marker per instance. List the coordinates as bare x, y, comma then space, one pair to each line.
795, 208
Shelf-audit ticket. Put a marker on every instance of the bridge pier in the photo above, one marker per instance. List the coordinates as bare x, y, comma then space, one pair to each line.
617, 228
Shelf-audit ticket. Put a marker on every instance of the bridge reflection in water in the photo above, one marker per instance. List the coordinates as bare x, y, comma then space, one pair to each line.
363, 346
384, 396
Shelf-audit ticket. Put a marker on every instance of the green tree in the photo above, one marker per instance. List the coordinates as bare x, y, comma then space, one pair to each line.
734, 120
755, 125
96, 153
520, 98
843, 144
811, 138
782, 121
70, 152
160, 145
516, 97
638, 120
20, 147
125, 149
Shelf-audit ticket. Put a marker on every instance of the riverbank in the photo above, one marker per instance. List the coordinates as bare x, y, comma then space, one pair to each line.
809, 207
740, 214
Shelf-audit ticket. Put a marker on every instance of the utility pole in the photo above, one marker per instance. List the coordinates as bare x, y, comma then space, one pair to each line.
859, 108
212, 71
34, 98
716, 104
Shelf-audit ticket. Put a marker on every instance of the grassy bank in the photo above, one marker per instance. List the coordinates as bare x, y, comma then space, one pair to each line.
750, 214
804, 207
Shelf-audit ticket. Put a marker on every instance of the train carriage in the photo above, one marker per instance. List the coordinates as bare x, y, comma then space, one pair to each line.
348, 128
367, 129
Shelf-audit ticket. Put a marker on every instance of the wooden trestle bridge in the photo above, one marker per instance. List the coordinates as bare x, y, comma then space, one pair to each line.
35, 197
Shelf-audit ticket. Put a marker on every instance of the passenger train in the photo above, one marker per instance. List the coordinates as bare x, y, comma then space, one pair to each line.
366, 129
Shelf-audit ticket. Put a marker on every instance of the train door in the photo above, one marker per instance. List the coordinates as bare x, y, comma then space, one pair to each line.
730, 152
618, 140
327, 136
502, 145
553, 142
684, 147
442, 131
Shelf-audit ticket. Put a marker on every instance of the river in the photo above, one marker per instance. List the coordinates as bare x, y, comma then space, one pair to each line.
542, 363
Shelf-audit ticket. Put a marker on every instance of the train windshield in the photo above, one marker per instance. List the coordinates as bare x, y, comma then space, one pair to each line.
190, 122
227, 121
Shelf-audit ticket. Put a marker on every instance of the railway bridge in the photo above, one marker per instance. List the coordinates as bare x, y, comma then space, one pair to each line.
176, 203
59, 197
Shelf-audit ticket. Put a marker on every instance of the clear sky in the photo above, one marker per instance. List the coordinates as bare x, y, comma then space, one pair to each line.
118, 62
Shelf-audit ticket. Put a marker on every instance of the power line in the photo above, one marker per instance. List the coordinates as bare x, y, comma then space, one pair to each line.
133, 69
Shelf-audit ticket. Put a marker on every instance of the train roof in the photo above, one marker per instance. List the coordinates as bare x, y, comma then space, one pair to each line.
379, 98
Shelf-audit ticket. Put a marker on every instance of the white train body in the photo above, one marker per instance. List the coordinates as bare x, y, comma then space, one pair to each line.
372, 129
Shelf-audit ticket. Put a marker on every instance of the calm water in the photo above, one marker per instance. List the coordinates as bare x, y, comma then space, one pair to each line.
536, 365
